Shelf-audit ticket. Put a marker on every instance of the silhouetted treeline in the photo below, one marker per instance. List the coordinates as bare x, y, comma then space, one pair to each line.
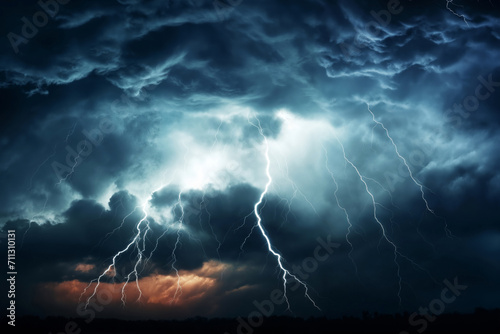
479, 322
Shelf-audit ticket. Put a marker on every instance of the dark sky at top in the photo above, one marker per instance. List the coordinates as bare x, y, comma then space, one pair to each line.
161, 100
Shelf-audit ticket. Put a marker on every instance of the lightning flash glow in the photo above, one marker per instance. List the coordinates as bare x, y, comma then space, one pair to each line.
279, 258
175, 227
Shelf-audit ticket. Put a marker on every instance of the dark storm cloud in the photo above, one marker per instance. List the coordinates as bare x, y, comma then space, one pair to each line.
154, 70
90, 234
83, 232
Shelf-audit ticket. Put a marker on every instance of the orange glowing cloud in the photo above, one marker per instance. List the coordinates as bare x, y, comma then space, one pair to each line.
193, 289
84, 268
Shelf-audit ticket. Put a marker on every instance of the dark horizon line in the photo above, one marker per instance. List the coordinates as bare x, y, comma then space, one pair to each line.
482, 321
365, 315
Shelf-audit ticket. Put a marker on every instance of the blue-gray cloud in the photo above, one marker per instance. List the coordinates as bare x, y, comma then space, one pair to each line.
158, 97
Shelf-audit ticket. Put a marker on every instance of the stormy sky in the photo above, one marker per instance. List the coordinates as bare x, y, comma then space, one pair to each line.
136, 136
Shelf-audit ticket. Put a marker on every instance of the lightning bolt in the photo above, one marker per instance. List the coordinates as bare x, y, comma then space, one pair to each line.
203, 204
270, 247
140, 252
143, 228
178, 289
249, 234
375, 216
296, 190
448, 2
71, 131
109, 234
396, 251
419, 185
29, 188
33, 218
346, 214
40, 166
384, 189
138, 243
112, 266
204, 207
77, 161
30, 182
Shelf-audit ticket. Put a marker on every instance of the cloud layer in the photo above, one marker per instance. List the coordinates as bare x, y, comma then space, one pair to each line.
113, 107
